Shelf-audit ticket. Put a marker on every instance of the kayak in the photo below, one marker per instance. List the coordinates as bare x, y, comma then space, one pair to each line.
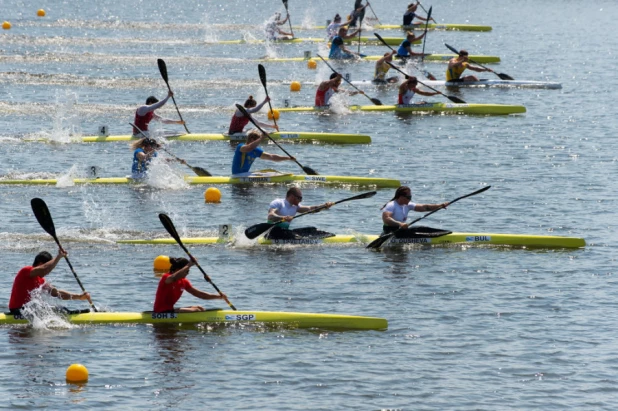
300, 136
495, 239
431, 26
393, 41
441, 58
216, 316
483, 109
260, 177
480, 83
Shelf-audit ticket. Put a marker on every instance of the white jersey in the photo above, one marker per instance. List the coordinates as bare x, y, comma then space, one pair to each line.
332, 30
407, 97
283, 207
399, 212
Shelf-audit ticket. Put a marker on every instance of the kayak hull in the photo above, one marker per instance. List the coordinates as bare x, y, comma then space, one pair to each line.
431, 26
296, 136
495, 239
287, 319
452, 108
266, 179
479, 84
439, 58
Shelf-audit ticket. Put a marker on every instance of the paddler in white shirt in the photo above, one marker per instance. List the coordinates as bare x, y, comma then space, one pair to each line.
274, 33
283, 210
408, 89
395, 212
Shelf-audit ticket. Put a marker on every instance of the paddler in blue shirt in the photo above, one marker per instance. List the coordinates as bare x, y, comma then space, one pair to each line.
410, 13
283, 210
405, 48
338, 50
245, 154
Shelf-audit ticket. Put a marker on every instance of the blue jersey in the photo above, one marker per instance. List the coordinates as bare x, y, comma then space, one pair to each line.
242, 161
403, 48
140, 168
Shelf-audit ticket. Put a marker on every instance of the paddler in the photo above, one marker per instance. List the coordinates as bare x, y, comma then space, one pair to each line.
333, 28
395, 212
410, 13
338, 50
245, 154
32, 277
408, 89
457, 65
327, 88
358, 12
382, 68
239, 121
172, 285
145, 114
405, 48
282, 211
274, 33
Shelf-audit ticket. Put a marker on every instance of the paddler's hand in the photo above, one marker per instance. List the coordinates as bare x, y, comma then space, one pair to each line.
444, 205
61, 254
170, 93
222, 296
84, 296
287, 218
181, 122
292, 158
403, 226
328, 204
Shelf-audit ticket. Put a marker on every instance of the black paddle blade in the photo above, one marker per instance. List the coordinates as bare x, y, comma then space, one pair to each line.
451, 48
258, 229
41, 212
505, 76
377, 243
169, 226
162, 69
285, 3
201, 172
456, 100
310, 171
376, 101
262, 73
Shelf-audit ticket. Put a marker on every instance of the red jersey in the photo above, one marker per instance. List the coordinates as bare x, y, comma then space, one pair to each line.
23, 285
168, 294
238, 124
142, 121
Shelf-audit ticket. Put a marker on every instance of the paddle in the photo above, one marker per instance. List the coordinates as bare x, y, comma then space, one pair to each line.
501, 75
452, 98
425, 36
41, 212
360, 28
197, 170
262, 73
259, 229
169, 226
425, 72
163, 71
373, 100
307, 170
285, 4
374, 13
377, 243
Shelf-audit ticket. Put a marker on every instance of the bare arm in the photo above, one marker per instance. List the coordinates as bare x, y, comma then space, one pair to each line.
275, 157
44, 269
203, 295
430, 207
65, 295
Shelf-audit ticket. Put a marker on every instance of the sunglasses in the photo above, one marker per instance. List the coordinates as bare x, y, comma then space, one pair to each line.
300, 198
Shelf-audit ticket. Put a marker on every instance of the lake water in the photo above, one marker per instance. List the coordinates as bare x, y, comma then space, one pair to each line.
469, 327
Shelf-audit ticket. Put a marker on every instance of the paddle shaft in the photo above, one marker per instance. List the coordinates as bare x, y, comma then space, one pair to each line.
373, 100
452, 98
374, 13
163, 71
44, 218
425, 36
285, 3
322, 207
307, 170
197, 170
262, 73
377, 243
169, 226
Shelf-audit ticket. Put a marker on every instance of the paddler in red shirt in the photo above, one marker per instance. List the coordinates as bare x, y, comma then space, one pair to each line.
172, 285
31, 278
327, 88
145, 114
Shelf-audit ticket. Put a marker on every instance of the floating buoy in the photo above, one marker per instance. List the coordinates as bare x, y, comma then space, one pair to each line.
212, 195
6, 25
312, 64
77, 373
295, 86
40, 13
273, 114
162, 263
